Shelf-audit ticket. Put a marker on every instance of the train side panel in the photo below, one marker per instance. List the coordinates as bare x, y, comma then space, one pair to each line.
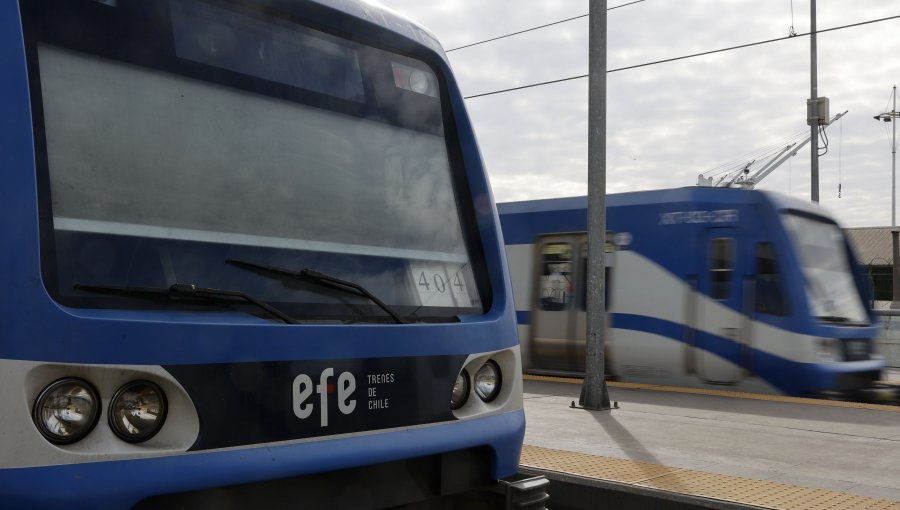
706, 290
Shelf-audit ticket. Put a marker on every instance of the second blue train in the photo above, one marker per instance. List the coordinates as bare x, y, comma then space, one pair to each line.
706, 287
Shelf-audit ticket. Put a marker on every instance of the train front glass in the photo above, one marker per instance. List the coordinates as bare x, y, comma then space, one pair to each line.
830, 287
175, 136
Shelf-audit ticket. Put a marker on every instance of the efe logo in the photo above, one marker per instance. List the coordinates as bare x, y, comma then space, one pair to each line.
303, 388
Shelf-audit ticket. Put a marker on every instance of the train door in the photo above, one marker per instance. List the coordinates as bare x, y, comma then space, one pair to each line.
719, 320
555, 345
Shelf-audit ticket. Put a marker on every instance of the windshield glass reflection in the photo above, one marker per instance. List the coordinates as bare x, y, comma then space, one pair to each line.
822, 254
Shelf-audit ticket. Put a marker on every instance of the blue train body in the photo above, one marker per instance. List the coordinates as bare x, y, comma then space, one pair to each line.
707, 287
114, 194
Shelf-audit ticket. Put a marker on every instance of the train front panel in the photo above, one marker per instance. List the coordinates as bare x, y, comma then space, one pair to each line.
252, 251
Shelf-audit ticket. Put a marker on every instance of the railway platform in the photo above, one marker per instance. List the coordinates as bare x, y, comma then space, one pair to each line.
683, 448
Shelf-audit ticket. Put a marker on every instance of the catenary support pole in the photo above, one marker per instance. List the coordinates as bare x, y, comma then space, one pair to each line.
813, 110
895, 280
595, 395
892, 117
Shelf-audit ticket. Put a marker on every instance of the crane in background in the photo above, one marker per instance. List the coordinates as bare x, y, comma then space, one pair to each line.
748, 173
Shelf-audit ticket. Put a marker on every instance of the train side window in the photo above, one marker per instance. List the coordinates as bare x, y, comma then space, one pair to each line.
721, 267
556, 285
769, 294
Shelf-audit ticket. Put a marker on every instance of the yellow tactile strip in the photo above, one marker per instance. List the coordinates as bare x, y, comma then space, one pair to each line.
733, 489
723, 393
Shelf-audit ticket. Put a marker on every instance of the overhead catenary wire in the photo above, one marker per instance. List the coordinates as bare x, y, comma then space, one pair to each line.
515, 33
683, 57
534, 28
749, 168
757, 157
754, 162
742, 160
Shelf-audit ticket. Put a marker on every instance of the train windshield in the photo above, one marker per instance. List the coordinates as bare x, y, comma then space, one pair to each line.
830, 286
175, 135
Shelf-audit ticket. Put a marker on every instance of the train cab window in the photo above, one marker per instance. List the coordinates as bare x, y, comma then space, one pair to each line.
827, 267
556, 285
721, 267
769, 293
174, 136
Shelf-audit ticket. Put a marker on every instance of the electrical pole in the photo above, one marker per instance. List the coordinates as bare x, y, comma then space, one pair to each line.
812, 108
891, 117
894, 161
595, 395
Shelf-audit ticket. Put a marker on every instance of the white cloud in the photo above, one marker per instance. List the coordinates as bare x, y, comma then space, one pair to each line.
668, 122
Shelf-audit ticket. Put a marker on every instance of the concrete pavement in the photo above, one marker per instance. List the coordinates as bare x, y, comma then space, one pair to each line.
851, 450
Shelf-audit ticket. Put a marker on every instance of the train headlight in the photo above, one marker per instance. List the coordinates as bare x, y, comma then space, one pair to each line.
487, 381
828, 349
67, 410
419, 82
414, 80
137, 411
460, 392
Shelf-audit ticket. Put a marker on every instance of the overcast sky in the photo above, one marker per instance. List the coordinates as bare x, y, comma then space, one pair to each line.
667, 123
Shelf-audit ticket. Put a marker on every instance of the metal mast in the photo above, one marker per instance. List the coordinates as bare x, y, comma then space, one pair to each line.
813, 118
595, 395
891, 117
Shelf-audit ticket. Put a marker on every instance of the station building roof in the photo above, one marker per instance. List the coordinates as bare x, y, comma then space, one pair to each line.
872, 245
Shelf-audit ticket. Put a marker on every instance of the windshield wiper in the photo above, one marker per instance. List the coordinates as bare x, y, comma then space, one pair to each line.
187, 290
322, 279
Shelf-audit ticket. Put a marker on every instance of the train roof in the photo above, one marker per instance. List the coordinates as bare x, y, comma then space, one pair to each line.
522, 221
385, 17
666, 196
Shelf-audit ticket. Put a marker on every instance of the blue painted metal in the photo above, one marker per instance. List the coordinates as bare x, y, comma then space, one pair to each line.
34, 327
672, 243
788, 376
121, 484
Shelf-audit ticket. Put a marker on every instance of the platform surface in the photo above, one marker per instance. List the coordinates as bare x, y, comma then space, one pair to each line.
847, 449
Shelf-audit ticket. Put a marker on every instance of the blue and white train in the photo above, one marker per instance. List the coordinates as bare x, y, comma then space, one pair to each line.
250, 260
706, 287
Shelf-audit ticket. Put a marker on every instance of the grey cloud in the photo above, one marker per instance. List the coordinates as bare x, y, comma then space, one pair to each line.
667, 122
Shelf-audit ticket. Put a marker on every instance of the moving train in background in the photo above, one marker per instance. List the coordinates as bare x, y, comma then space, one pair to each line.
250, 260
706, 287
